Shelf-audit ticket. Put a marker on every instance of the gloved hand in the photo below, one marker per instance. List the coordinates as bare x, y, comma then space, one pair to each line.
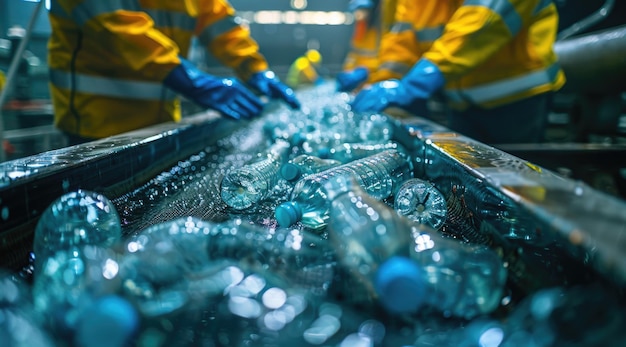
349, 80
225, 95
268, 84
409, 93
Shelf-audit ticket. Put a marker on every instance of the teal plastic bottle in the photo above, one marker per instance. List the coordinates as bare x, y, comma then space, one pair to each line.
408, 265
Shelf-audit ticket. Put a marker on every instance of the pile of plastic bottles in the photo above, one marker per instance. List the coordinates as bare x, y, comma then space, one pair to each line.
355, 256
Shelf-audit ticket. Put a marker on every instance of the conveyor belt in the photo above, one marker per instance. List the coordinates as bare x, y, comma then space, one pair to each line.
173, 169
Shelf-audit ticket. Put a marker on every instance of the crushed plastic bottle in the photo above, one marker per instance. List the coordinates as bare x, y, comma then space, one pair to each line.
74, 219
304, 165
421, 202
247, 185
379, 174
409, 265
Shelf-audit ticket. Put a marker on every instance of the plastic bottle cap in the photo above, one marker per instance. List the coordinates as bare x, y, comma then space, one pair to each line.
290, 172
111, 321
288, 213
400, 285
297, 139
323, 153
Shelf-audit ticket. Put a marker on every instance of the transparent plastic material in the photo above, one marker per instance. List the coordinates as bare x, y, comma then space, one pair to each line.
247, 185
421, 202
379, 174
306, 259
347, 152
304, 165
408, 265
69, 281
74, 219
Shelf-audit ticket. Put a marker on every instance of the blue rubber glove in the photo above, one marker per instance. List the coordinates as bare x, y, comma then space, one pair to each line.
349, 80
225, 95
268, 84
353, 5
409, 93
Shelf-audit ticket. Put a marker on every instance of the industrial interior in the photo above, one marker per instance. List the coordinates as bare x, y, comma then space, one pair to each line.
553, 212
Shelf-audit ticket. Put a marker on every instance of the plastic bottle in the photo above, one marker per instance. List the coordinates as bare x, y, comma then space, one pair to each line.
247, 185
20, 324
159, 262
421, 202
74, 219
304, 165
347, 152
409, 265
68, 282
306, 259
379, 174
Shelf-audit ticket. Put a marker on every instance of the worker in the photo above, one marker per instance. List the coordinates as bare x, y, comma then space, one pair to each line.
305, 70
493, 60
115, 69
3, 80
373, 19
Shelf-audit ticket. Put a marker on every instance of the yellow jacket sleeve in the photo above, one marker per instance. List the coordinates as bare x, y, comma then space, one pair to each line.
476, 31
400, 48
221, 31
127, 35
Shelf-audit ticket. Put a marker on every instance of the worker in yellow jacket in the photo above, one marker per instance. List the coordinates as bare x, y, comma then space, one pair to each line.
305, 70
117, 66
493, 60
372, 19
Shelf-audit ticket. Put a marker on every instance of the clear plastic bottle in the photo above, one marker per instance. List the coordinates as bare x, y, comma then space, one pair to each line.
421, 202
304, 165
70, 280
306, 259
347, 152
21, 325
379, 174
409, 265
249, 184
74, 219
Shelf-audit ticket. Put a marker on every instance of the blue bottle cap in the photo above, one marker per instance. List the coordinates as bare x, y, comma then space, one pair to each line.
400, 285
288, 213
323, 153
298, 139
110, 321
290, 172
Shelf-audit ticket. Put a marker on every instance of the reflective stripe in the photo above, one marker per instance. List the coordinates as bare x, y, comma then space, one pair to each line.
218, 28
504, 8
364, 52
542, 5
500, 89
400, 27
89, 9
171, 19
429, 34
111, 87
396, 67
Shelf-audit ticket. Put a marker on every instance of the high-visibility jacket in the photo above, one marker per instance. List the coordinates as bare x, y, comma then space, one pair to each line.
365, 44
490, 52
305, 69
108, 58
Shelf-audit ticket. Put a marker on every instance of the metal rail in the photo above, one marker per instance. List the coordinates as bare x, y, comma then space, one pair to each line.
15, 62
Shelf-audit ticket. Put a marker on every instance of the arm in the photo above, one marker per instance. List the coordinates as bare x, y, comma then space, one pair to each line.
220, 31
477, 30
130, 33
